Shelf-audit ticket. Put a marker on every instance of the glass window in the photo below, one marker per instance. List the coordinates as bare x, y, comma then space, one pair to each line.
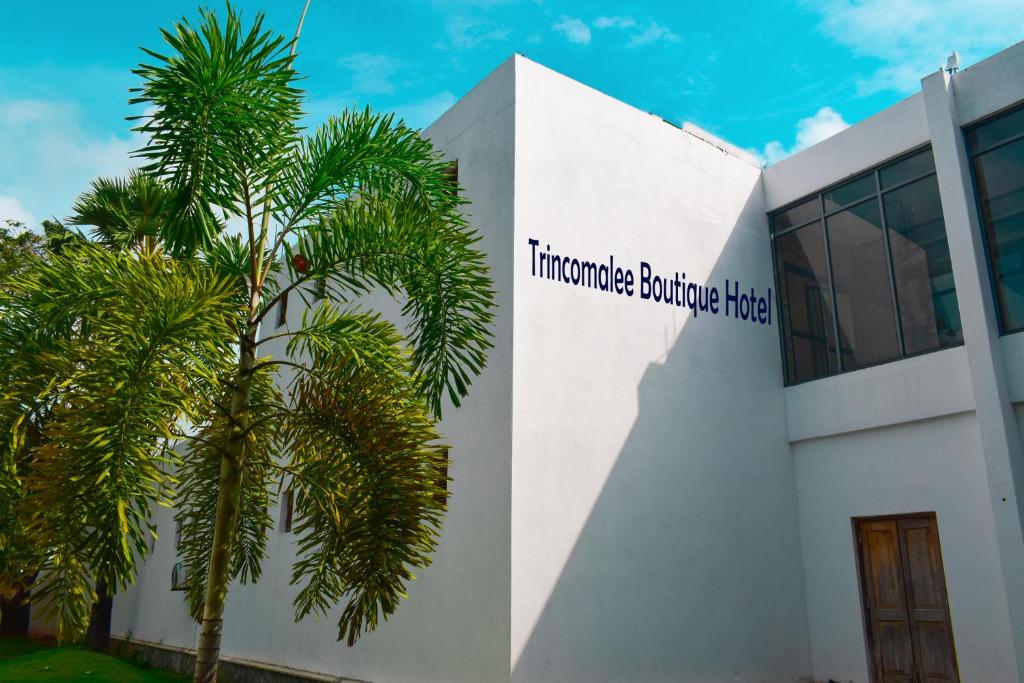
797, 215
867, 321
906, 169
997, 130
850, 192
873, 282
999, 176
282, 310
929, 313
806, 304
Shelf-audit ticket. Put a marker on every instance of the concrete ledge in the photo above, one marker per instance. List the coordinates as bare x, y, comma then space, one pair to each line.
231, 670
908, 390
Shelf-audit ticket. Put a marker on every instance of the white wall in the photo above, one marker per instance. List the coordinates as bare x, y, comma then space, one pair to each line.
653, 513
906, 436
878, 138
990, 85
927, 466
455, 626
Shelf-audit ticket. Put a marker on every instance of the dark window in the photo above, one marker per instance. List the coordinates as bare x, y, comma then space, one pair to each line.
179, 576
451, 174
997, 150
877, 276
442, 479
929, 313
287, 510
798, 215
909, 168
860, 275
805, 302
319, 288
849, 192
177, 534
282, 310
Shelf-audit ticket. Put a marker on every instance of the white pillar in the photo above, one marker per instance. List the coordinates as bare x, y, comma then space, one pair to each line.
1000, 435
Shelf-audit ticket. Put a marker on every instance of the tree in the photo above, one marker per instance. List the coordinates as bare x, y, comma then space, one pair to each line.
145, 347
19, 248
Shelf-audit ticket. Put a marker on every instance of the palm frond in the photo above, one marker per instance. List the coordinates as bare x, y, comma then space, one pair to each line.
223, 109
123, 212
429, 258
365, 459
355, 152
137, 344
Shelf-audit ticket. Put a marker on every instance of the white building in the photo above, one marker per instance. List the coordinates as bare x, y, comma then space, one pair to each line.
647, 492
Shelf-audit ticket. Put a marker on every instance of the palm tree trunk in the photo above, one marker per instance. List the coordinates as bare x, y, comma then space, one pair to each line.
232, 465
97, 637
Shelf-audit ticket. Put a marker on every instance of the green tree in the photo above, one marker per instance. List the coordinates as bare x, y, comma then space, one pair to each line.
130, 351
19, 248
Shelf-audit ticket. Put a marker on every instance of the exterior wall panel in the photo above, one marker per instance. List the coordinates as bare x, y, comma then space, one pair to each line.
653, 501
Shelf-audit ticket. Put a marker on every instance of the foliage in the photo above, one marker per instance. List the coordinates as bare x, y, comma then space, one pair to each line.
152, 336
19, 247
104, 353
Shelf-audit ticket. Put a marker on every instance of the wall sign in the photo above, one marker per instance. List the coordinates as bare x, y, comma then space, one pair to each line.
657, 286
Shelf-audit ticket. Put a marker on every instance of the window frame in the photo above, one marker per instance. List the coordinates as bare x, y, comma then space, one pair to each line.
972, 154
822, 217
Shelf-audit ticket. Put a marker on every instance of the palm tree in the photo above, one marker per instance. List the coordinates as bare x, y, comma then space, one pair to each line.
161, 344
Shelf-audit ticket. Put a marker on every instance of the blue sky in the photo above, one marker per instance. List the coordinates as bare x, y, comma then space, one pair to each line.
769, 76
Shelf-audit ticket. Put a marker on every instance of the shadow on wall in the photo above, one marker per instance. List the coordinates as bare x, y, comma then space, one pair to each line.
688, 567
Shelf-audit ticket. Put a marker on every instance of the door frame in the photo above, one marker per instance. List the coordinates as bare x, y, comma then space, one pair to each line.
862, 586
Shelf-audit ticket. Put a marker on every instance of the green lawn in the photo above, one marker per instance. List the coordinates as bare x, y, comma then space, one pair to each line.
30, 662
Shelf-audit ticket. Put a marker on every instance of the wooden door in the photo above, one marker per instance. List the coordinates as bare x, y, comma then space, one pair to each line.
910, 639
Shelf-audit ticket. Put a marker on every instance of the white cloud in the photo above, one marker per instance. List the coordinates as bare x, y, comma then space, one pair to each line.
912, 38
825, 123
372, 74
614, 22
48, 155
574, 30
652, 33
639, 34
12, 210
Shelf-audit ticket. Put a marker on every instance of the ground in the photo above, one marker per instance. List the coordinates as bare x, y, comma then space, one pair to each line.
27, 661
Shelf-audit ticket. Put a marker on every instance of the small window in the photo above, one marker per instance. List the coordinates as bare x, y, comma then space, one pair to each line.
995, 131
442, 479
801, 214
179, 577
282, 310
319, 289
452, 174
177, 534
997, 157
907, 169
850, 192
287, 510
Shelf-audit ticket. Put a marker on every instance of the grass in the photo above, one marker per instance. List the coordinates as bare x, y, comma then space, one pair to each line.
26, 661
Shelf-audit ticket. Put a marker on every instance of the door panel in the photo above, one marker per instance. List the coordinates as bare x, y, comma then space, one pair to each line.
907, 617
929, 614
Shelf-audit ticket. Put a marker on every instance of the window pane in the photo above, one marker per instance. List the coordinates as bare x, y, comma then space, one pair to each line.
850, 192
798, 215
992, 133
906, 169
867, 323
929, 312
1000, 179
805, 303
